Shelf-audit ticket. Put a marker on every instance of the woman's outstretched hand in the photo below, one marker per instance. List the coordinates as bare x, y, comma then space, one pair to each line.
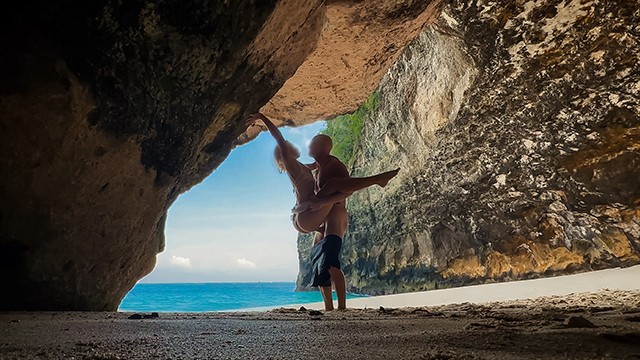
254, 118
273, 129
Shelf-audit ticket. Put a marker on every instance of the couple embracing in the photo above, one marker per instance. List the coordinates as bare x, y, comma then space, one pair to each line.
321, 190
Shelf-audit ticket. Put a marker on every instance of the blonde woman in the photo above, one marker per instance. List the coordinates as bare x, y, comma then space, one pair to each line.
312, 208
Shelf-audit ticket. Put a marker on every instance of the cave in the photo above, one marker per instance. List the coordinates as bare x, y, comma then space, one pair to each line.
516, 125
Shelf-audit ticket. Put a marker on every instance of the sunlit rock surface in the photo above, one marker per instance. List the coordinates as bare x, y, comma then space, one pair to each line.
110, 109
360, 40
516, 127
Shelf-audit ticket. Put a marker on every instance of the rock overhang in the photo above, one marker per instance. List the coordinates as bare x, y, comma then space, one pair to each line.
110, 110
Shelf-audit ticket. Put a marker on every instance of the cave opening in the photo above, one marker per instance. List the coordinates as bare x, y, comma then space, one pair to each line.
515, 125
229, 240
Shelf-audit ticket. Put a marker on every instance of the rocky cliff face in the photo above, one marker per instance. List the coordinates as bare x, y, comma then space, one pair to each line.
516, 127
110, 109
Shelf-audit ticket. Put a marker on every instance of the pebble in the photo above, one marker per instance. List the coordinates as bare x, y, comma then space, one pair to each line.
153, 315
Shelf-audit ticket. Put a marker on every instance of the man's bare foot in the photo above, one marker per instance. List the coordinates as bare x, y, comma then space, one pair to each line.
386, 177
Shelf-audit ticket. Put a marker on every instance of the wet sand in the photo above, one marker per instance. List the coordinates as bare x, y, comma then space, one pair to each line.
596, 325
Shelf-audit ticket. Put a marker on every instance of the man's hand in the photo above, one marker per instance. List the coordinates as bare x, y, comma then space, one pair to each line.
302, 207
309, 205
315, 204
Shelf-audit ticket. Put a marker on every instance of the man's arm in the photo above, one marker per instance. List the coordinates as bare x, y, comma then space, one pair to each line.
318, 202
335, 169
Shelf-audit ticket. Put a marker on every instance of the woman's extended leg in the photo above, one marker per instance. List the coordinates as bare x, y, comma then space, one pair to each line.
337, 190
349, 185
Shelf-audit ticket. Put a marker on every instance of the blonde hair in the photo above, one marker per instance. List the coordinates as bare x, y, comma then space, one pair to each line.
277, 155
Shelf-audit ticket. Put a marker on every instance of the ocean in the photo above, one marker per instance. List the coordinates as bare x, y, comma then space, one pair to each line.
200, 297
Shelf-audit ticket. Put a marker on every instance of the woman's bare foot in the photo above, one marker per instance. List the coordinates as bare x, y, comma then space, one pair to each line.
386, 177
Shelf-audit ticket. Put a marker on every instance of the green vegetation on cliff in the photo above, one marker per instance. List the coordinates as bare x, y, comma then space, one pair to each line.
346, 130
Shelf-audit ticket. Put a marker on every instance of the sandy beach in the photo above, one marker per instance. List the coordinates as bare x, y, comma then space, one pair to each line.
611, 279
582, 325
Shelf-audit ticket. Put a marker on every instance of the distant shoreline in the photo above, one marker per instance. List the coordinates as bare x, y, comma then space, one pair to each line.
281, 294
209, 297
611, 279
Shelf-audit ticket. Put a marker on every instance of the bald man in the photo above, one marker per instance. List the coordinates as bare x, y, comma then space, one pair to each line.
326, 250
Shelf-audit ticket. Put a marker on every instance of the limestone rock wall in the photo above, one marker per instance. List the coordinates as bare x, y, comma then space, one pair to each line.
110, 109
516, 127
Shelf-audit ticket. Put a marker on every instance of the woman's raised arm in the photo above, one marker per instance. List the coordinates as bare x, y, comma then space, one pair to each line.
275, 132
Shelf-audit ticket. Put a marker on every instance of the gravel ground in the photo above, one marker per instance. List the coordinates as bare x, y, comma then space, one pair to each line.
604, 324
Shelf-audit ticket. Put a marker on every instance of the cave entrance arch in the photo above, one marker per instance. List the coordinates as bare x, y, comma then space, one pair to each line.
232, 227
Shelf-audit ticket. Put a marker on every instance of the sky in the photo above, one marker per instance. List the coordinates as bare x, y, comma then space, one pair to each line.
235, 226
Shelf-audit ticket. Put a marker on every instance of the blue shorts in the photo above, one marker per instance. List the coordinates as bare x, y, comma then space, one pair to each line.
324, 255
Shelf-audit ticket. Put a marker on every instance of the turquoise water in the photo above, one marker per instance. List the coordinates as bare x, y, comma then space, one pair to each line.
215, 296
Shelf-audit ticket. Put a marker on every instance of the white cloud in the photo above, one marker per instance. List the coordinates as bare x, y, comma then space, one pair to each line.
242, 262
180, 261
